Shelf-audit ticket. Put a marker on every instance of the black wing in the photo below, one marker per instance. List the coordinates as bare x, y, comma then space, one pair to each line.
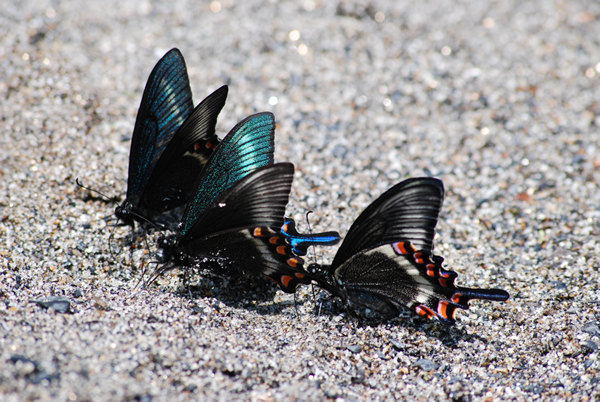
408, 211
259, 199
166, 103
197, 129
244, 227
184, 157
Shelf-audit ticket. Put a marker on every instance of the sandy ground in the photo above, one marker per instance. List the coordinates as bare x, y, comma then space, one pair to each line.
500, 99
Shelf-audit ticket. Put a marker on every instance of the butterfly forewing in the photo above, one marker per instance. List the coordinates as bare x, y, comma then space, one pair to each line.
247, 147
408, 211
166, 103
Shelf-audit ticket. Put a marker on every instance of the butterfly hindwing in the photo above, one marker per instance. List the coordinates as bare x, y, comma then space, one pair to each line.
197, 130
247, 147
385, 279
166, 103
407, 211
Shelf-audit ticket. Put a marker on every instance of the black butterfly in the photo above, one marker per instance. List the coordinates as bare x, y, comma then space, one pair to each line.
386, 262
242, 231
171, 141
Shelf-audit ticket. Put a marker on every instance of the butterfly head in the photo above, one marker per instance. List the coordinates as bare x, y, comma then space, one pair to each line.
168, 246
124, 213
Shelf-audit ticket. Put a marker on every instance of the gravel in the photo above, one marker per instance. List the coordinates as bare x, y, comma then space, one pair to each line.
499, 99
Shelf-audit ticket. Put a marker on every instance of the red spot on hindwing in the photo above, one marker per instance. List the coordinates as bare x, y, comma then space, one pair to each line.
418, 256
456, 298
424, 311
400, 248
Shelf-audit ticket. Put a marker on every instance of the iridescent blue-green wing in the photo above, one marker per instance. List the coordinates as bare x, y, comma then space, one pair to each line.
247, 147
172, 179
166, 103
259, 199
408, 211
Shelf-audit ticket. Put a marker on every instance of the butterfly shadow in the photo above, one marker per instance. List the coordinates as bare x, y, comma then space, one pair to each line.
449, 335
241, 290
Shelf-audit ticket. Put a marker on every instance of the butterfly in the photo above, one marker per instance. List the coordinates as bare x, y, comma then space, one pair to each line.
171, 141
386, 261
243, 229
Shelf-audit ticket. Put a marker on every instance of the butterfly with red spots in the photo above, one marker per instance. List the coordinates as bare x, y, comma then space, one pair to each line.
386, 261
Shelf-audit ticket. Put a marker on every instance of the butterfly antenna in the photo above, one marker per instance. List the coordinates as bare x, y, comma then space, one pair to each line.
103, 197
314, 248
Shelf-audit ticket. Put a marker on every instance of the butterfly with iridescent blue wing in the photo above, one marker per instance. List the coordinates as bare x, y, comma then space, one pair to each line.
243, 230
386, 262
171, 142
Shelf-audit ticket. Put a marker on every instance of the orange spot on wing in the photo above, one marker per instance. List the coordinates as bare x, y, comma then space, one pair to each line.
402, 247
418, 257
274, 240
292, 262
443, 309
285, 280
281, 250
300, 275
456, 298
258, 232
424, 311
